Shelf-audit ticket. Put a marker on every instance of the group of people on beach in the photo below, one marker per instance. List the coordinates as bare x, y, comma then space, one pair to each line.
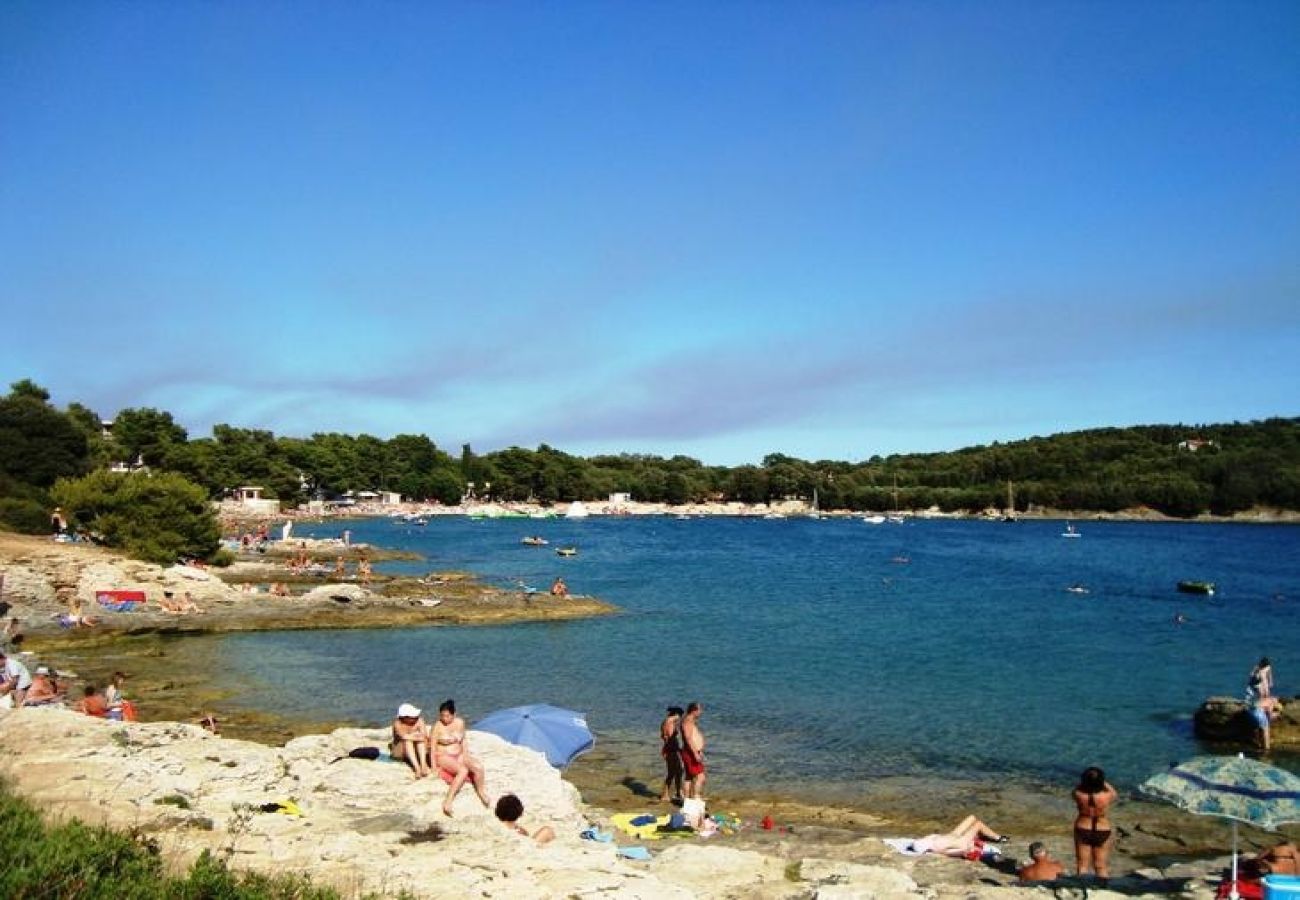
20, 687
442, 748
682, 749
1093, 835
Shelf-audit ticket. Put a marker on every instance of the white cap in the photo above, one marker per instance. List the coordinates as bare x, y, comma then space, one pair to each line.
407, 711
42, 670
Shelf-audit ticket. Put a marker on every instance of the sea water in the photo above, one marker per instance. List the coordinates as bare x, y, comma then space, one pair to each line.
831, 654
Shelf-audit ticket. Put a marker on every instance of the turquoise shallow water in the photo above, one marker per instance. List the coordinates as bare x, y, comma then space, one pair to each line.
823, 657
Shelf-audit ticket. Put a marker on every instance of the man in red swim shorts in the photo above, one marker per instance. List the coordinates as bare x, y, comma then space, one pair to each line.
693, 751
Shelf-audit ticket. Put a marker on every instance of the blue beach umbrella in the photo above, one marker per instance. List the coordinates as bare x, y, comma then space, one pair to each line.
561, 734
1230, 787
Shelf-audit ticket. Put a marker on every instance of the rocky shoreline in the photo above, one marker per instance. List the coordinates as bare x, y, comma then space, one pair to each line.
368, 826
123, 774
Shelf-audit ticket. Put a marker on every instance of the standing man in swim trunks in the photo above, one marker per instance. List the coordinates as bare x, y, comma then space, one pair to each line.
693, 751
1092, 829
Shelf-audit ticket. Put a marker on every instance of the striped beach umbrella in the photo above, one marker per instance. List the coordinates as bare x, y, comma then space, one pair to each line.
1230, 787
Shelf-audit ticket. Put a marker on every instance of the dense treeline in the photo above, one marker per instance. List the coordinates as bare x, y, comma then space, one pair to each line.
1233, 467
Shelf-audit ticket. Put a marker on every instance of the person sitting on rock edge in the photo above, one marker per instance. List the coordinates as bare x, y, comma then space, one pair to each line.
45, 688
1041, 866
1280, 859
411, 740
451, 755
510, 809
93, 704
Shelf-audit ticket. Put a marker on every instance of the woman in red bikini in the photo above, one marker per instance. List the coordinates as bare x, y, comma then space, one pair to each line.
1092, 830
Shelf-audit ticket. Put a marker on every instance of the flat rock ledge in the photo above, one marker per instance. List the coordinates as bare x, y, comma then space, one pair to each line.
369, 826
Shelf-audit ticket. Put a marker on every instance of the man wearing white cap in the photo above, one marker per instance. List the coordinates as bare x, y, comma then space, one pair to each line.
45, 689
15, 680
411, 739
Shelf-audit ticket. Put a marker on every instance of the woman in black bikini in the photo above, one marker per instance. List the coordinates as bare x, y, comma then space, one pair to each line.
1092, 831
670, 734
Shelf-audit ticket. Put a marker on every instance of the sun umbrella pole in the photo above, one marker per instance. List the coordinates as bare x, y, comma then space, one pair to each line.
1233, 895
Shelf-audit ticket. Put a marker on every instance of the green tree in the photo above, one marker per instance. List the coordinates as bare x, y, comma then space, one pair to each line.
157, 517
38, 444
26, 388
146, 434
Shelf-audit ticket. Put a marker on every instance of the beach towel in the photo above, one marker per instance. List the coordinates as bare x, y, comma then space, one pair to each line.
903, 846
119, 601
634, 852
595, 834
284, 807
645, 831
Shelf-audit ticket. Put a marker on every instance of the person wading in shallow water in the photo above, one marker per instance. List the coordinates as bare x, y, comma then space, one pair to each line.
670, 734
693, 751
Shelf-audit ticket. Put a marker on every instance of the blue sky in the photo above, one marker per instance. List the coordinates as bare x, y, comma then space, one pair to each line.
720, 229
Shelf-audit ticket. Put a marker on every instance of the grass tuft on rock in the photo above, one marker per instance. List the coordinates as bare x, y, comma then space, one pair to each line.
72, 859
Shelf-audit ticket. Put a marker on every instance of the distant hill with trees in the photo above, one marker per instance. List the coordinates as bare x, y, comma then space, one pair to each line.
1178, 470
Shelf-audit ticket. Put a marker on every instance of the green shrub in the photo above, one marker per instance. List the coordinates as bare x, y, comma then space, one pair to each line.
222, 558
155, 517
26, 516
69, 860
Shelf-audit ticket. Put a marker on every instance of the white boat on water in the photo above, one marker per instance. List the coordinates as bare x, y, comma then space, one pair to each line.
1070, 531
874, 520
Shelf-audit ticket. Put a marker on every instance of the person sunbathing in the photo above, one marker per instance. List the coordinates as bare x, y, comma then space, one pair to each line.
411, 740
1041, 866
451, 755
169, 604
15, 680
961, 841
93, 703
1280, 859
509, 809
77, 618
45, 689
